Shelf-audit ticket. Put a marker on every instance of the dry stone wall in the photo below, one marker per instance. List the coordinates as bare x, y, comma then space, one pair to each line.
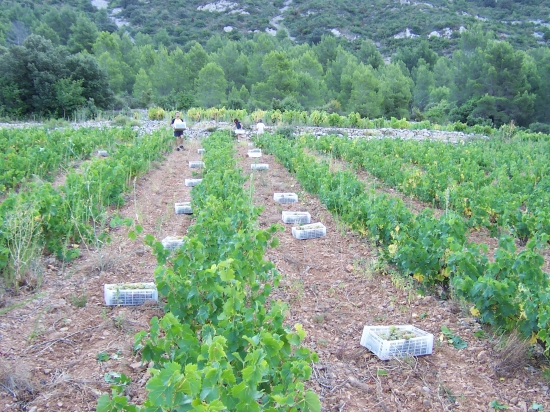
204, 128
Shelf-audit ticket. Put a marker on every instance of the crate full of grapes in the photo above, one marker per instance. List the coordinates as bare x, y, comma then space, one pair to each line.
172, 242
296, 217
183, 208
192, 182
255, 153
285, 197
196, 164
311, 231
388, 342
129, 294
259, 166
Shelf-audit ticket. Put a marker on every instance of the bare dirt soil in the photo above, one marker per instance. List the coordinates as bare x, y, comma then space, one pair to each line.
334, 286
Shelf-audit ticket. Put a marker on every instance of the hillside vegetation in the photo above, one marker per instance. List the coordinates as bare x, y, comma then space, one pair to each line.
520, 22
69, 60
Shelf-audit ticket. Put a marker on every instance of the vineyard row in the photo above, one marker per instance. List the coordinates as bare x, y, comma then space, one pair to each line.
509, 292
222, 344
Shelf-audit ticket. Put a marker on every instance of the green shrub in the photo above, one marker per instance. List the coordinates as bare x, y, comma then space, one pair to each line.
120, 120
289, 103
156, 113
353, 119
399, 123
286, 131
335, 120
540, 128
317, 118
459, 126
55, 123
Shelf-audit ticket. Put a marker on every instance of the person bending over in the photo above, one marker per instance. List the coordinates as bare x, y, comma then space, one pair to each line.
239, 130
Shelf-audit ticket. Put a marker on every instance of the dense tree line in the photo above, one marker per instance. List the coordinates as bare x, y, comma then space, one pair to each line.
40, 78
46, 65
63, 67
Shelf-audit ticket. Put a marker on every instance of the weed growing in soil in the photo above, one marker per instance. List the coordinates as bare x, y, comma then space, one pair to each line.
513, 352
263, 181
104, 315
120, 321
38, 329
341, 227
447, 394
22, 229
497, 406
318, 318
158, 224
36, 332
102, 357
380, 318
403, 283
297, 287
16, 380
79, 300
370, 268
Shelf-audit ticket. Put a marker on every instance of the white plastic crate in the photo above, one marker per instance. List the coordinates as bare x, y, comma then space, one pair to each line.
195, 164
259, 166
296, 217
129, 294
179, 126
183, 208
373, 338
201, 151
192, 182
285, 197
172, 242
311, 231
255, 153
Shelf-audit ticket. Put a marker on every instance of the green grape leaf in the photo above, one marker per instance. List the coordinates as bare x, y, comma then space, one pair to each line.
104, 403
495, 404
102, 357
312, 403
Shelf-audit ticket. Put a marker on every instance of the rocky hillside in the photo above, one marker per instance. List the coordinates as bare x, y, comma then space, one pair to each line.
388, 22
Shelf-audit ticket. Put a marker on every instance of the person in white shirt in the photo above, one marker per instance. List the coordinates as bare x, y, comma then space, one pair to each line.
179, 125
260, 126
